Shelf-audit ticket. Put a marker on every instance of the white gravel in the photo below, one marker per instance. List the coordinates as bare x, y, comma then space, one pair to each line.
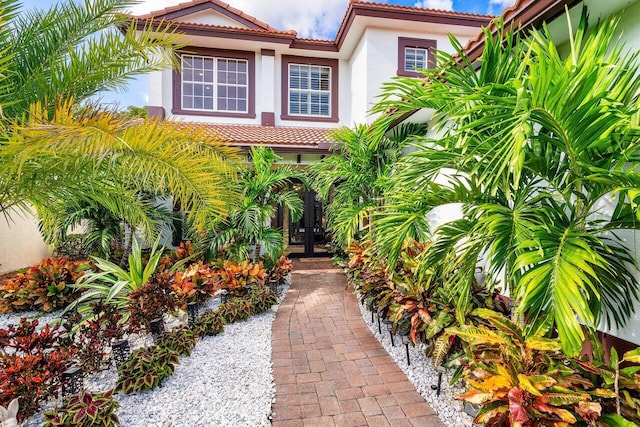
423, 375
7, 319
226, 381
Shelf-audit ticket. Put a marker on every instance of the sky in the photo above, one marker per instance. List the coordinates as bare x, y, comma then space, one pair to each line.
310, 18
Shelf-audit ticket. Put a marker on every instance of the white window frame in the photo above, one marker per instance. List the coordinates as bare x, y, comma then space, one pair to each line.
214, 83
311, 91
417, 66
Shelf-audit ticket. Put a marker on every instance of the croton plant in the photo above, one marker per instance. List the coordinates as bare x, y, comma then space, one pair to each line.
525, 380
237, 277
45, 287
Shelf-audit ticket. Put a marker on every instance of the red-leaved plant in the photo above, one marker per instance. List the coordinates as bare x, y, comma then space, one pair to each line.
31, 364
85, 410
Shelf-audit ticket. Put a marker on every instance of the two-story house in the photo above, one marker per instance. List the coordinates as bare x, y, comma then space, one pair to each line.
255, 84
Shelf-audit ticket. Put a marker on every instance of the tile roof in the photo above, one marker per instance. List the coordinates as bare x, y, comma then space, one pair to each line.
160, 13
274, 136
356, 7
414, 8
522, 15
273, 32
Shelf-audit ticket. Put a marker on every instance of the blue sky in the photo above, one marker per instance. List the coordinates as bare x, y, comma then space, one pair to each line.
312, 19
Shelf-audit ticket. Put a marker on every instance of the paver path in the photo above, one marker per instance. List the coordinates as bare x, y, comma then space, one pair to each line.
328, 368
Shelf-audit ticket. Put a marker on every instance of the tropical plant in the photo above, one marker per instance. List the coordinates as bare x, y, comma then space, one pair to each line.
84, 410
262, 298
151, 301
45, 287
56, 149
238, 277
209, 323
31, 363
113, 285
246, 230
355, 175
105, 233
198, 282
145, 369
180, 341
526, 380
281, 267
532, 146
95, 334
235, 310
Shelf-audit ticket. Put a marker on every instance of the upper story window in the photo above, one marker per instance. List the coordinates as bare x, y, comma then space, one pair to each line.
415, 58
415, 54
309, 89
215, 83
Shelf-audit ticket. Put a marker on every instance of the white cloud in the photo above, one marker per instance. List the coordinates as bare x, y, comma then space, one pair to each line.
500, 5
311, 19
435, 4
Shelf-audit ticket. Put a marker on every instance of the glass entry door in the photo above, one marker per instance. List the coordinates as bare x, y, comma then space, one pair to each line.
308, 236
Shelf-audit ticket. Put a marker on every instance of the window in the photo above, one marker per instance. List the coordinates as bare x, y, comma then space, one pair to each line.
415, 54
215, 83
309, 89
415, 58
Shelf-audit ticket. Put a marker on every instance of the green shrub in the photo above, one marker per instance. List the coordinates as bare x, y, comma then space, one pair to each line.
179, 340
209, 323
262, 298
236, 310
145, 369
85, 410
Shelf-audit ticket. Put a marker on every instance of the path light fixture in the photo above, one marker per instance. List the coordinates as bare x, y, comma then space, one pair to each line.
372, 307
380, 313
224, 296
389, 324
121, 352
440, 370
156, 327
404, 333
273, 285
67, 319
192, 312
72, 381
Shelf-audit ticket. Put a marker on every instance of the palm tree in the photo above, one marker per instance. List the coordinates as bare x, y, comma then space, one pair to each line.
95, 156
55, 146
533, 146
264, 186
355, 175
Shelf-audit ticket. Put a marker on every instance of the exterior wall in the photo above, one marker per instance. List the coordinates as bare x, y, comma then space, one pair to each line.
21, 244
629, 31
382, 56
359, 80
361, 72
206, 17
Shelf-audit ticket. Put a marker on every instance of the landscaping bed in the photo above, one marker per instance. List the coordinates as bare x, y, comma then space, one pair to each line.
171, 341
227, 380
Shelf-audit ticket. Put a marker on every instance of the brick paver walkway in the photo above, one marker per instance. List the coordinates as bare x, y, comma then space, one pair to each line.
329, 370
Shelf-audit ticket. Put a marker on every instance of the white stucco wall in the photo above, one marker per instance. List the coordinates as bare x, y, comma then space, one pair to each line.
210, 17
629, 32
359, 78
21, 244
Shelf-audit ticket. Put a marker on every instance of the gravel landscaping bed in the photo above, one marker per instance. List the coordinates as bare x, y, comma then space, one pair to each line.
7, 319
423, 375
226, 381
